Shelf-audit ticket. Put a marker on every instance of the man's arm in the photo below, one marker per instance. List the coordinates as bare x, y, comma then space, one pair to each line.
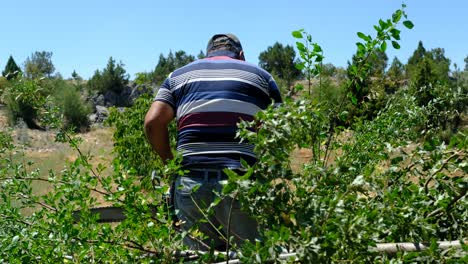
157, 120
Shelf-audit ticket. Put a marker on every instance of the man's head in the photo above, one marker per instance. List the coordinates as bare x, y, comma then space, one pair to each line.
225, 42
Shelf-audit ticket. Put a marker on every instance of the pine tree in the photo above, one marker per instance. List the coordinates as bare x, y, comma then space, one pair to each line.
397, 70
466, 63
201, 55
418, 56
11, 69
169, 64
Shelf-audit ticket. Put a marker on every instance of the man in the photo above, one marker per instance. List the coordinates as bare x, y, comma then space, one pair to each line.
208, 98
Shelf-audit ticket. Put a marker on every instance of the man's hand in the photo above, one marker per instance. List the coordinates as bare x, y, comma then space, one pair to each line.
157, 120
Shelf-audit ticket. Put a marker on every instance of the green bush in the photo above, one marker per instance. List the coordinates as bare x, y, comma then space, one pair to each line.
74, 109
24, 98
378, 183
3, 86
70, 104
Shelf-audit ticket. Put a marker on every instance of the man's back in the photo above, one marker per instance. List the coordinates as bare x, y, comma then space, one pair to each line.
210, 96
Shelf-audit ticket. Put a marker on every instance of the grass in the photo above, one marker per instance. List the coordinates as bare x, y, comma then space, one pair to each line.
38, 150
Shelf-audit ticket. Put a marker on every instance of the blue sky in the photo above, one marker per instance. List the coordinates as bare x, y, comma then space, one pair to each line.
83, 34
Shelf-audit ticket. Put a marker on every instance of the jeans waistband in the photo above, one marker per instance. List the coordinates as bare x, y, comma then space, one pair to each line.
208, 173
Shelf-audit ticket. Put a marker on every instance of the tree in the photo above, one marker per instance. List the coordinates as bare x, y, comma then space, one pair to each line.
328, 70
466, 63
441, 63
11, 69
113, 78
415, 59
169, 64
182, 59
39, 65
434, 60
395, 76
378, 61
201, 55
76, 76
279, 60
397, 70
162, 69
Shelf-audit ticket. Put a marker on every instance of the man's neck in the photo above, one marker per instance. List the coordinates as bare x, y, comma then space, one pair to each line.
224, 53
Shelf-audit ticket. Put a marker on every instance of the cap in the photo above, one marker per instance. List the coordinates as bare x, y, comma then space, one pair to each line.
219, 40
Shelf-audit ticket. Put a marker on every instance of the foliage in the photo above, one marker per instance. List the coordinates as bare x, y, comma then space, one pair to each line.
169, 64
143, 78
75, 76
328, 70
11, 69
112, 78
396, 70
416, 58
39, 65
441, 63
53, 234
3, 85
24, 98
40, 102
435, 59
366, 102
72, 107
130, 144
381, 186
311, 55
376, 183
395, 76
466, 63
280, 60
201, 55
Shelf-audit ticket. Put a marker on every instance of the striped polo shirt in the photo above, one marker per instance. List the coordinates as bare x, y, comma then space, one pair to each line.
210, 96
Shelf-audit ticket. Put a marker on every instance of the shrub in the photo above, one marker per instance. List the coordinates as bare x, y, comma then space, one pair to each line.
377, 183
70, 104
24, 98
74, 109
3, 86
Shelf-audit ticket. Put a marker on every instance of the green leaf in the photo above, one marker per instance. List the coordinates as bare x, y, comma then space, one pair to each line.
396, 16
383, 46
395, 45
395, 33
300, 46
299, 66
297, 34
317, 48
408, 24
344, 115
383, 24
361, 47
363, 36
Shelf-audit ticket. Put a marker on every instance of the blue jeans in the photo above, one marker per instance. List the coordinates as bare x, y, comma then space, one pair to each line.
188, 200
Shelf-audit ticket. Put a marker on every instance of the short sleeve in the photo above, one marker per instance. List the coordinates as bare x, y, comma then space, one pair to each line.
274, 92
165, 94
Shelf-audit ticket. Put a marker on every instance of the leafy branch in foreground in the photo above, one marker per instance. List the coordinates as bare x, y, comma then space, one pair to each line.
379, 182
